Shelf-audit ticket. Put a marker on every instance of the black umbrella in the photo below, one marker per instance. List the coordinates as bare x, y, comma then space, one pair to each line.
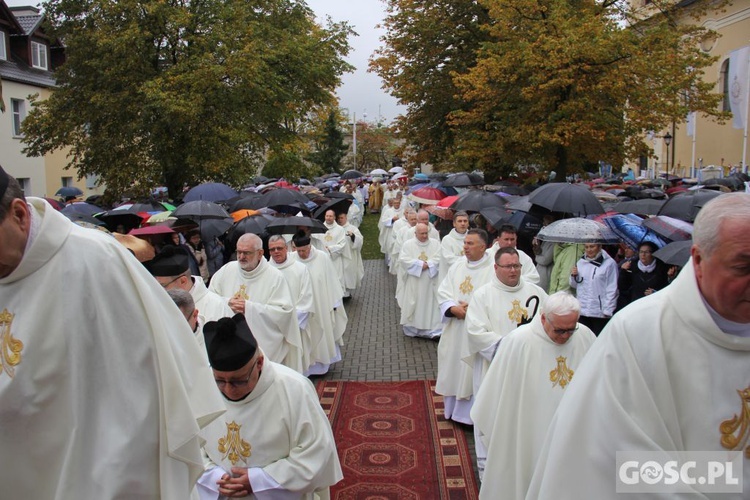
496, 216
644, 206
285, 200
209, 228
685, 206
475, 200
339, 194
66, 191
290, 225
566, 198
210, 191
150, 205
669, 227
81, 217
200, 210
247, 200
126, 217
81, 208
352, 174
676, 253
338, 205
464, 180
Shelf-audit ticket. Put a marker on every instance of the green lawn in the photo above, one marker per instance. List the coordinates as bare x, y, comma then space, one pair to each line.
369, 229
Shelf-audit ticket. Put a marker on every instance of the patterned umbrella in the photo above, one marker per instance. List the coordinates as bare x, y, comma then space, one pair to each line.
577, 230
427, 195
631, 231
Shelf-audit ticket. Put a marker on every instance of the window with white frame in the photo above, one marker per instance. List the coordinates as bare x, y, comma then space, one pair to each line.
25, 184
18, 113
38, 55
66, 181
3, 47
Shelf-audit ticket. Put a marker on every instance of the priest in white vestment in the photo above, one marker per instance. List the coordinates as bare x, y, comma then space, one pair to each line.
454, 377
420, 311
328, 324
354, 269
388, 217
171, 268
669, 373
260, 292
452, 245
300, 286
526, 381
103, 390
508, 237
408, 220
275, 441
334, 242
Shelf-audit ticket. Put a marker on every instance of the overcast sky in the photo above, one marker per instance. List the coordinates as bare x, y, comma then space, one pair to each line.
360, 91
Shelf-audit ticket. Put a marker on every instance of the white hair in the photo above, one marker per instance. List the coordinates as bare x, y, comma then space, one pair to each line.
560, 304
252, 239
725, 207
276, 237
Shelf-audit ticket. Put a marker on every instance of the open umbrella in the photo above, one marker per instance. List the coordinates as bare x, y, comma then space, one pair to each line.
352, 174
285, 200
438, 211
66, 191
475, 200
378, 171
577, 230
463, 180
55, 203
210, 191
566, 198
669, 227
147, 230
338, 205
200, 210
629, 229
396, 170
427, 195
676, 253
496, 216
644, 206
213, 228
290, 225
685, 206
122, 217
81, 208
79, 217
340, 194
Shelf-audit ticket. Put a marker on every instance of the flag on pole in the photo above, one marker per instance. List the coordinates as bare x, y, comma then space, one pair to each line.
738, 85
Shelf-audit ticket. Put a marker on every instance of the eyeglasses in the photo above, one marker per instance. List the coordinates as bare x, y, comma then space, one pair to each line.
166, 285
560, 331
276, 249
515, 267
236, 384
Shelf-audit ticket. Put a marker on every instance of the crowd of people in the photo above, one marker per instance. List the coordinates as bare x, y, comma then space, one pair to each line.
202, 391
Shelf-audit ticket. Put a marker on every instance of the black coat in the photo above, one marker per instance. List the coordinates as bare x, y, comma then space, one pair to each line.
633, 282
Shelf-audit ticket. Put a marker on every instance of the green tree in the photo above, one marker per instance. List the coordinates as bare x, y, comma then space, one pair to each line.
376, 146
426, 44
167, 92
330, 148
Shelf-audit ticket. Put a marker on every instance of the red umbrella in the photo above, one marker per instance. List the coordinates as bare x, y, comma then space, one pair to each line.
447, 201
442, 212
427, 195
55, 204
146, 230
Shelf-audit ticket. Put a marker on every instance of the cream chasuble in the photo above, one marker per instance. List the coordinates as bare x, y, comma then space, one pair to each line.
463, 279
328, 323
496, 310
519, 396
269, 309
280, 428
451, 249
420, 311
103, 389
300, 286
210, 305
334, 241
660, 376
354, 269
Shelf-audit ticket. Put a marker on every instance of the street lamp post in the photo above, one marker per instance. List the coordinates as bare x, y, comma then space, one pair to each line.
667, 142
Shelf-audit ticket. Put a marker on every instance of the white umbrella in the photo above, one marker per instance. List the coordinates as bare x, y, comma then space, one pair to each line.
378, 171
396, 170
578, 230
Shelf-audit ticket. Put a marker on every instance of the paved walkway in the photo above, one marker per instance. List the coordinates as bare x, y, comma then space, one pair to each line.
375, 347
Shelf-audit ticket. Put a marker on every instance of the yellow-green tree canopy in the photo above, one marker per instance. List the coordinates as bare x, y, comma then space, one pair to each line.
166, 92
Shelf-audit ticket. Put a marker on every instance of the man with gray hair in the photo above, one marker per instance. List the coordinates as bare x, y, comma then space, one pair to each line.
102, 391
669, 374
255, 288
523, 387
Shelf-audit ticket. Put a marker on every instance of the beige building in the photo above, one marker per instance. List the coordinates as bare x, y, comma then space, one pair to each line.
711, 144
27, 58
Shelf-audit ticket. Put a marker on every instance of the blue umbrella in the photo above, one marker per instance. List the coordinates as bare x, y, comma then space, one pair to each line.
210, 191
629, 228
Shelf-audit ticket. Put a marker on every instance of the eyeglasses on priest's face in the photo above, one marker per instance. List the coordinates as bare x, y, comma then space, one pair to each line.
562, 331
514, 267
236, 384
166, 285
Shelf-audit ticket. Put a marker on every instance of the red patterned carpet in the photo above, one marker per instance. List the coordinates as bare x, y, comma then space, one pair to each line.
394, 443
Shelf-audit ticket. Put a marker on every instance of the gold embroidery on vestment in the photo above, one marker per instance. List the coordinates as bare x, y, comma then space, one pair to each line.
242, 293
561, 375
739, 424
233, 446
422, 257
10, 348
517, 313
466, 287
328, 237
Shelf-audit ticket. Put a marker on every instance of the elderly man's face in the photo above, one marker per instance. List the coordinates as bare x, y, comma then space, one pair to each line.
248, 256
559, 328
14, 232
508, 270
474, 247
422, 233
278, 251
304, 252
411, 218
461, 224
237, 384
423, 218
724, 276
330, 217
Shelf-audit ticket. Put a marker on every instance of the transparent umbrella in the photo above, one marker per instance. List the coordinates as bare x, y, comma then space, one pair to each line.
578, 230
